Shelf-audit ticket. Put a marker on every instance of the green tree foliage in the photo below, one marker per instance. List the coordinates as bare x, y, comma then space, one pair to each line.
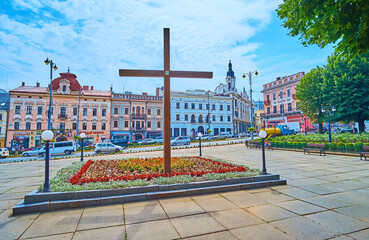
310, 94
345, 22
346, 86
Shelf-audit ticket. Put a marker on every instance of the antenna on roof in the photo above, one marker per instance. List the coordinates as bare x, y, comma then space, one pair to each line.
68, 69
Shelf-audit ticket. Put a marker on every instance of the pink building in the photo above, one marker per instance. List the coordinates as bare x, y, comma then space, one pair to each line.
280, 103
29, 105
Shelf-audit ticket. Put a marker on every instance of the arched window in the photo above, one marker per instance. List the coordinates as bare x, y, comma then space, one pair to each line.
133, 110
200, 119
138, 110
193, 118
64, 88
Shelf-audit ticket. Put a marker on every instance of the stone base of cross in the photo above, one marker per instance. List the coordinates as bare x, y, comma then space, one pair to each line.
167, 74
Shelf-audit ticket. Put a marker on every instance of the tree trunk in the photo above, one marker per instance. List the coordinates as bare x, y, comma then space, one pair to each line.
320, 127
361, 125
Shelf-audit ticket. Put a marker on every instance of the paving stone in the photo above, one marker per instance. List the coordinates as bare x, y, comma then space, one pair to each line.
111, 233
179, 207
62, 236
300, 207
215, 204
270, 212
144, 214
361, 235
296, 192
356, 211
103, 208
327, 201
215, 236
54, 223
245, 199
235, 218
338, 222
14, 229
196, 225
156, 230
95, 219
260, 232
273, 196
302, 228
342, 237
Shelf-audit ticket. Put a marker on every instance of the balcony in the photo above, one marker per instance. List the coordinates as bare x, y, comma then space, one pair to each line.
138, 116
62, 116
294, 96
293, 112
267, 102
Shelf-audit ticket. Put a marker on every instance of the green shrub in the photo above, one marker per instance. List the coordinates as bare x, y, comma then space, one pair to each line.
333, 146
358, 146
349, 146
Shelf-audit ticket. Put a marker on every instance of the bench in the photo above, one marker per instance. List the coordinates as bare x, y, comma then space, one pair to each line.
364, 153
312, 147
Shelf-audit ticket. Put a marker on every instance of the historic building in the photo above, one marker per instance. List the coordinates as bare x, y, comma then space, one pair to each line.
196, 111
74, 108
259, 110
4, 108
136, 116
280, 103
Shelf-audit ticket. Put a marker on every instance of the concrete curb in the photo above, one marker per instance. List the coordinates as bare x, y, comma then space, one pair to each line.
42, 202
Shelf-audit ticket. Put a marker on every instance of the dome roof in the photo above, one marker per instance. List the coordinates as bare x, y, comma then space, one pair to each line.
74, 84
230, 72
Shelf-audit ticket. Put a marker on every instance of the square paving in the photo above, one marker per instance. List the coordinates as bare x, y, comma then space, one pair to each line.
326, 198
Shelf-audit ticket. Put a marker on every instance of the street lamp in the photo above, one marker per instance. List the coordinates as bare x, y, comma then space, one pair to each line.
200, 135
263, 121
263, 135
82, 136
329, 121
282, 105
249, 74
47, 136
52, 66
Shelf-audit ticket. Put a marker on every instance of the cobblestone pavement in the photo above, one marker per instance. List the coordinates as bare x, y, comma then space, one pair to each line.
326, 198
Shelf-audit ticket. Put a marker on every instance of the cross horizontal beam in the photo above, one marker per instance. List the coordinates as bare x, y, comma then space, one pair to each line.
161, 73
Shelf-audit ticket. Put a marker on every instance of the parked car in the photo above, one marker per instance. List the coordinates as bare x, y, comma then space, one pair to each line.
220, 137
4, 152
147, 141
181, 140
206, 137
107, 148
59, 148
347, 130
32, 152
120, 142
159, 139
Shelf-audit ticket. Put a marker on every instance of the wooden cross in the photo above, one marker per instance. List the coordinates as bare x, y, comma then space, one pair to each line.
167, 74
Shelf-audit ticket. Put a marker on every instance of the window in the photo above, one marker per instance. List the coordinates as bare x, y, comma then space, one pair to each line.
200, 105
213, 107
158, 124
274, 96
16, 126
178, 117
28, 125
221, 118
143, 124
228, 107
75, 110
221, 107
178, 105
149, 111
133, 110
115, 110
74, 126
17, 109
186, 105
29, 110
84, 112
282, 108
125, 124
126, 111
64, 88
274, 109
103, 112
158, 112
115, 124
290, 107
267, 96
268, 110
94, 112
62, 125
207, 106
213, 118
186, 117
93, 126
280, 94
84, 126
228, 118
149, 124
103, 126
192, 106
38, 126
63, 110
39, 110
288, 92
1, 118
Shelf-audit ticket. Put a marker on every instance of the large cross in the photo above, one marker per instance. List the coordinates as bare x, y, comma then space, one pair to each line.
167, 74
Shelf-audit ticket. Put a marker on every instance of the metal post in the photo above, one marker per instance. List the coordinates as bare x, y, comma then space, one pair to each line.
167, 168
200, 146
252, 109
51, 96
305, 125
81, 149
208, 110
47, 158
264, 172
329, 128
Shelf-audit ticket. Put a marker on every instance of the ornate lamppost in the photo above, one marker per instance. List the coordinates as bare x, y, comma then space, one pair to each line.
82, 136
47, 136
329, 121
52, 66
200, 135
249, 74
263, 135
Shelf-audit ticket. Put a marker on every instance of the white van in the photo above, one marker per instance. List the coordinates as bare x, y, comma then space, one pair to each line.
59, 148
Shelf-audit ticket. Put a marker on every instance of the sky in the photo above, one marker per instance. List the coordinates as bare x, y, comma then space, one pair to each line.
97, 38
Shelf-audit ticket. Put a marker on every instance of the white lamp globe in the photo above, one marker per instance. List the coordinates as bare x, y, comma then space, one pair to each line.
47, 135
263, 134
82, 135
199, 134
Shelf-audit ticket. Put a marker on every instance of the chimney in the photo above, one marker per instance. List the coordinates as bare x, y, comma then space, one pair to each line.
144, 93
92, 88
278, 78
38, 84
157, 91
85, 87
23, 83
111, 88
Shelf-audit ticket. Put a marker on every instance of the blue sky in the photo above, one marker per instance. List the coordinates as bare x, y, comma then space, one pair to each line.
97, 38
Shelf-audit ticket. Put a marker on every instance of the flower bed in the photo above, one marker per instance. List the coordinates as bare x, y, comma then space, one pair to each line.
148, 168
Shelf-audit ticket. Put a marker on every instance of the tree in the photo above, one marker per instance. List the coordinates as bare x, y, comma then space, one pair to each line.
310, 94
350, 94
345, 22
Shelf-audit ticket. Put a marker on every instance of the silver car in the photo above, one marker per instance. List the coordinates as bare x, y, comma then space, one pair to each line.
107, 148
33, 152
181, 140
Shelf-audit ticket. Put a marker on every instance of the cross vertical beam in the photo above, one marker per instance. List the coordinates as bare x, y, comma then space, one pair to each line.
167, 167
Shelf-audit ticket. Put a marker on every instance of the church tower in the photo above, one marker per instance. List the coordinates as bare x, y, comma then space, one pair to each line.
230, 79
